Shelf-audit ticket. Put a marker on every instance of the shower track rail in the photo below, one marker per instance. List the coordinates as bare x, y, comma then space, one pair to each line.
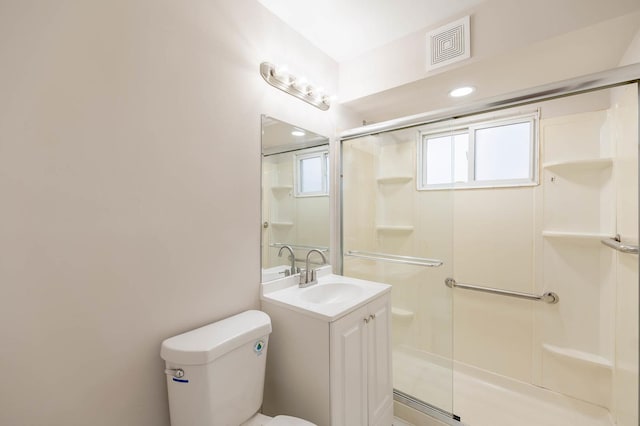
548, 297
393, 258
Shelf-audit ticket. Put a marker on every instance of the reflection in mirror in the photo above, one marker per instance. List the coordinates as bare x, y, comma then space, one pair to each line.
295, 197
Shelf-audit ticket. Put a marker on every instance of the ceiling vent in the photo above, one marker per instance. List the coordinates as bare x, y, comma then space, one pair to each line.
449, 44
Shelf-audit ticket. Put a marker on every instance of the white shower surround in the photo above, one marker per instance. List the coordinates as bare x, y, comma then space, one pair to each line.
526, 342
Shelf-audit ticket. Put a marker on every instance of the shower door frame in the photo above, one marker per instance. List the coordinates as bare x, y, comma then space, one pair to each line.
620, 76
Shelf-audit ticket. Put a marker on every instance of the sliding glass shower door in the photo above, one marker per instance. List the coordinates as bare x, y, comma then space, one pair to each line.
522, 224
395, 234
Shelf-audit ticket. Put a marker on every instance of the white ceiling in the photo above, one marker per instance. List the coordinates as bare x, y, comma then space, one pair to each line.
516, 44
344, 29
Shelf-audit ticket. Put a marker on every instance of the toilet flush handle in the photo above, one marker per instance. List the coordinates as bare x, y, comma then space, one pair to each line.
175, 372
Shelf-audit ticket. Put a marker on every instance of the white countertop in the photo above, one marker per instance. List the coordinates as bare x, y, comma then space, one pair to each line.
285, 292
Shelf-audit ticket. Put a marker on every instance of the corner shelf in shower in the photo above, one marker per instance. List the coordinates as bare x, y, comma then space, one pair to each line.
400, 313
282, 224
394, 179
279, 188
577, 355
579, 165
395, 229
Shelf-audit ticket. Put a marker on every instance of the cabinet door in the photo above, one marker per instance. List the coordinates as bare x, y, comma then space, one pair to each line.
380, 383
349, 369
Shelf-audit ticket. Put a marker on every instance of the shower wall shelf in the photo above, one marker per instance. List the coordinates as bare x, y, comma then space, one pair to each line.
578, 210
577, 355
395, 229
394, 179
403, 314
579, 165
282, 188
575, 235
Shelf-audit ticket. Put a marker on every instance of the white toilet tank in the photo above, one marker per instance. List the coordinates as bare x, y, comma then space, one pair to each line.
223, 367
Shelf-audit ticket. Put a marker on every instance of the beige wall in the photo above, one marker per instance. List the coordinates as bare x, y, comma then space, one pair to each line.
130, 188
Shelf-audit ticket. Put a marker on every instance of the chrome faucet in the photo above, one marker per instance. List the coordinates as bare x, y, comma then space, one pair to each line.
308, 276
292, 257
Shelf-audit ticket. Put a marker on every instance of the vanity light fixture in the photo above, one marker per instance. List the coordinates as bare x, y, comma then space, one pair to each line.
296, 86
461, 91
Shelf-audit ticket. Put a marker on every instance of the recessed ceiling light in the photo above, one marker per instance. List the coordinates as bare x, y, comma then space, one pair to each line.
461, 91
297, 133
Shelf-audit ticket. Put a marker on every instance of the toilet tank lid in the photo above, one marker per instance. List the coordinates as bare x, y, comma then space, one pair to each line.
205, 344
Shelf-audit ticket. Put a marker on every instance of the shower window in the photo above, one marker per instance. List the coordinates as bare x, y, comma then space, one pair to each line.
445, 159
488, 154
312, 174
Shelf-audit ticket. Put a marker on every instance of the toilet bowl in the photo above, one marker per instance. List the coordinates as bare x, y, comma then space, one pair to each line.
215, 374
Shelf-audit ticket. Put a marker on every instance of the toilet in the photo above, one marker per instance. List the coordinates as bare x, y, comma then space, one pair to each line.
215, 374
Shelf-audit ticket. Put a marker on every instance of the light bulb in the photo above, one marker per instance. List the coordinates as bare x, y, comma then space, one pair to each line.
461, 91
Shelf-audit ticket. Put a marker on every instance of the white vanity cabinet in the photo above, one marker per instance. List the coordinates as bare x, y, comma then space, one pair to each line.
360, 366
332, 373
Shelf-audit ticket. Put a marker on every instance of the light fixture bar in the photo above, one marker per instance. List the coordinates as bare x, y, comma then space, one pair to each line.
293, 86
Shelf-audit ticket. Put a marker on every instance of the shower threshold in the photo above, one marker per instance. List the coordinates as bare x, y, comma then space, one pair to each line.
426, 408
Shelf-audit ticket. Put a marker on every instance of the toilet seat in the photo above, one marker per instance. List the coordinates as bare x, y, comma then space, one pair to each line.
262, 420
288, 421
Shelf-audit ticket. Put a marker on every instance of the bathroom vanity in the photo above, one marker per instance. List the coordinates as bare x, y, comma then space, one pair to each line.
330, 351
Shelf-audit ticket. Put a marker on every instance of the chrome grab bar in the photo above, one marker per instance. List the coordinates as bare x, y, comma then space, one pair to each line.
548, 297
393, 258
617, 244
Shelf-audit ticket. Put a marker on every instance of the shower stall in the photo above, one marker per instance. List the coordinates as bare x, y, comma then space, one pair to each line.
509, 233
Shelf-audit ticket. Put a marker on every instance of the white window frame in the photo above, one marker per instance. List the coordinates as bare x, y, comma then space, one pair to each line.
297, 159
471, 129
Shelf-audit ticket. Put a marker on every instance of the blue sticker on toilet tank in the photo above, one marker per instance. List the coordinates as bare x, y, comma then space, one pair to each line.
258, 347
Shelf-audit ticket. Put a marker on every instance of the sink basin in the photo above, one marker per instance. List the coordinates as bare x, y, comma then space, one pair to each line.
331, 293
331, 298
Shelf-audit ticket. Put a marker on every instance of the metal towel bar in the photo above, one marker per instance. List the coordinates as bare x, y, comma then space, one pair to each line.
393, 258
299, 246
617, 244
548, 297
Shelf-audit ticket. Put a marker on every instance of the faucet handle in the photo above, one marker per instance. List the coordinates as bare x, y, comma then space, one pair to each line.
307, 278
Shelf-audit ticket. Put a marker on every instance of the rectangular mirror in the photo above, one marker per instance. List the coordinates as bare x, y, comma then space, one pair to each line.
295, 196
